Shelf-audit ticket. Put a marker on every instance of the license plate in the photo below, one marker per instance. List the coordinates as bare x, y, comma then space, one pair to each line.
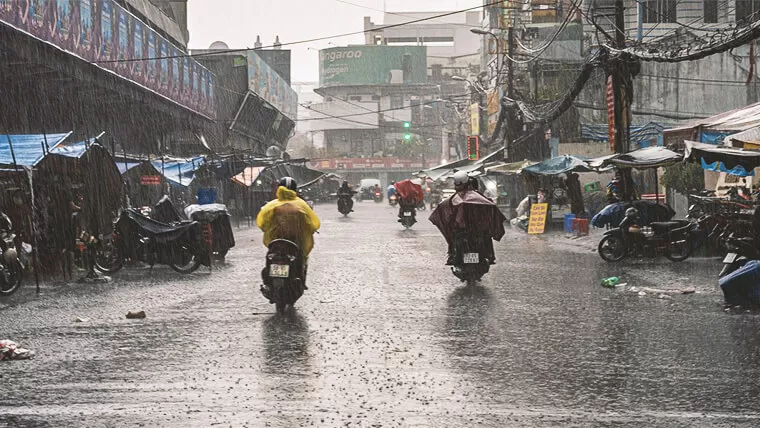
279, 271
730, 258
471, 258
407, 214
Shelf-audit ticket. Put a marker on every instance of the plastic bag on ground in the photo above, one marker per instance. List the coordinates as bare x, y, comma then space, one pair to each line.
9, 350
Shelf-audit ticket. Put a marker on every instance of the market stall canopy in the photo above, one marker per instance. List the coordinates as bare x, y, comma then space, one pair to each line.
744, 138
649, 157
179, 172
512, 168
76, 150
740, 162
559, 165
29, 150
249, 175
436, 172
736, 120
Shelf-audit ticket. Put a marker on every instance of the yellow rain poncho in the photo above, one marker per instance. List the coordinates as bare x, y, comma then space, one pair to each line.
288, 217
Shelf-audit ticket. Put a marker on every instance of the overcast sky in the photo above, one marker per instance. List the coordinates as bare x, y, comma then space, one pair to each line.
237, 22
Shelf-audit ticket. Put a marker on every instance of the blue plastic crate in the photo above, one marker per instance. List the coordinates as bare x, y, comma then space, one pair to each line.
569, 223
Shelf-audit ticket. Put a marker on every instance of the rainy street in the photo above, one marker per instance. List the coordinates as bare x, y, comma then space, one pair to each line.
385, 336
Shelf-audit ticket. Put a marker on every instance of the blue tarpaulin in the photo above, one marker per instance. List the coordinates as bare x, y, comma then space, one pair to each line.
559, 165
179, 172
76, 150
29, 149
124, 167
737, 170
643, 135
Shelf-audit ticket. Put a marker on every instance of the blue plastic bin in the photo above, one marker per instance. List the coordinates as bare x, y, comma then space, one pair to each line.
569, 223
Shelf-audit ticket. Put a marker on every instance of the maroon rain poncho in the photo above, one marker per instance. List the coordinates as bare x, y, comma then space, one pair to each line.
409, 192
470, 211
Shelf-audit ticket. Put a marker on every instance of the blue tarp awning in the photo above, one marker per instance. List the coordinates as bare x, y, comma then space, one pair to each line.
179, 172
76, 150
642, 135
559, 165
124, 167
28, 149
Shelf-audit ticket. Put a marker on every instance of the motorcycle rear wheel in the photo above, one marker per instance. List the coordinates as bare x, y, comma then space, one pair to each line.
14, 282
617, 252
678, 251
192, 262
108, 259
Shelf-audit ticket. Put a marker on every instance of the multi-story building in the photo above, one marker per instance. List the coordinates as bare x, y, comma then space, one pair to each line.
393, 99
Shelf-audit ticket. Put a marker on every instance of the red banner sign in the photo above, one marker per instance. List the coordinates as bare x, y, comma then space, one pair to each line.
150, 180
366, 163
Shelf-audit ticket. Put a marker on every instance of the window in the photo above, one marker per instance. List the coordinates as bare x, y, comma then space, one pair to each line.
711, 11
659, 11
397, 102
355, 98
746, 8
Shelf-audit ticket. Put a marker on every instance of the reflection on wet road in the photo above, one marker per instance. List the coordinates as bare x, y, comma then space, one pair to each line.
385, 336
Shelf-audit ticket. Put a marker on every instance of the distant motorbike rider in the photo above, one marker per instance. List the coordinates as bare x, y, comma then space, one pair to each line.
346, 193
409, 198
391, 191
289, 217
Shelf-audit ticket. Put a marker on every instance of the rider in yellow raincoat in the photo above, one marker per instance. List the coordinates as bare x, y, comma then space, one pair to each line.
289, 217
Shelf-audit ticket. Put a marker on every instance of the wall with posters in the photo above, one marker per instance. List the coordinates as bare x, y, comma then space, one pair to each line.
103, 32
269, 86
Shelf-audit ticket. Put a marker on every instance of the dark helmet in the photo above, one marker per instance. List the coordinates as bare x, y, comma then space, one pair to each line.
632, 212
289, 183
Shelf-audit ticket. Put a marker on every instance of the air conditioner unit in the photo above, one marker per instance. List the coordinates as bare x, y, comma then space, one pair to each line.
397, 76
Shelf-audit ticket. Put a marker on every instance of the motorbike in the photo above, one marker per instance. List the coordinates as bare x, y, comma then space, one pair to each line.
378, 196
393, 200
408, 218
672, 238
435, 200
345, 204
740, 251
11, 265
284, 275
470, 262
179, 245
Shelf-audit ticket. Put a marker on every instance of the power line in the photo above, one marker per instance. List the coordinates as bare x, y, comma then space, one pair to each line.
316, 39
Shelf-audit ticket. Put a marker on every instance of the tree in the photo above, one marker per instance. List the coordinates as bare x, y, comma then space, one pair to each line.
684, 178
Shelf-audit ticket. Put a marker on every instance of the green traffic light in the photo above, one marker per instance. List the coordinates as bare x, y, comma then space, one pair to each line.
407, 136
407, 125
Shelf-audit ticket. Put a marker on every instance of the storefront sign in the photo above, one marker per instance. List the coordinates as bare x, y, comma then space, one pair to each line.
611, 113
106, 34
150, 180
364, 163
372, 65
537, 224
475, 119
269, 86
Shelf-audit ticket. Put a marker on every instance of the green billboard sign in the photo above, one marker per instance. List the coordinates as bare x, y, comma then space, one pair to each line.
372, 65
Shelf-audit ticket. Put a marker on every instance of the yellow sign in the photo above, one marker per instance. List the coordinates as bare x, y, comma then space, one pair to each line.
475, 119
537, 224
493, 101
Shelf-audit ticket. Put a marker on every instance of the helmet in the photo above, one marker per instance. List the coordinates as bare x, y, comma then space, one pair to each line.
393, 182
460, 177
632, 212
289, 183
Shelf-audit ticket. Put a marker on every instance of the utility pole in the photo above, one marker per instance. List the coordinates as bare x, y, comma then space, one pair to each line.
622, 84
511, 131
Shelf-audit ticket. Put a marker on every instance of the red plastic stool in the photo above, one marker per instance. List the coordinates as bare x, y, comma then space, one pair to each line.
580, 226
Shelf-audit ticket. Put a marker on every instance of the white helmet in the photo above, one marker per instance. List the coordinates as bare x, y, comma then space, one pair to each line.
461, 177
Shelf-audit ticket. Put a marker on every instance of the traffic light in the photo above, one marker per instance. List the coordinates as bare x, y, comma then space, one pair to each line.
407, 133
473, 147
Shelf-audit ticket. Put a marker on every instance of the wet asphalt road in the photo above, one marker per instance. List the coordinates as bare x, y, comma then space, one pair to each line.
386, 336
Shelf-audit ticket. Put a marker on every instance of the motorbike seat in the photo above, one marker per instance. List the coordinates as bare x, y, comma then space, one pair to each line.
666, 226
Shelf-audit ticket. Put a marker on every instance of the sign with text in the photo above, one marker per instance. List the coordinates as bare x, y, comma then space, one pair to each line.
264, 81
366, 163
150, 180
106, 34
372, 65
611, 113
475, 119
537, 224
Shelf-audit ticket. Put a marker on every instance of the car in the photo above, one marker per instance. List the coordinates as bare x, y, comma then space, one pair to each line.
365, 188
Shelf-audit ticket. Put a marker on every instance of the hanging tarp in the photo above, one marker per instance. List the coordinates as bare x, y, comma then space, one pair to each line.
29, 150
741, 161
646, 135
249, 175
558, 165
738, 170
650, 157
76, 150
512, 168
126, 166
179, 172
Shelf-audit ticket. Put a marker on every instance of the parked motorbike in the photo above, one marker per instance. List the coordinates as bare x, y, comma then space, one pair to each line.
137, 237
470, 262
393, 200
672, 238
345, 204
740, 251
284, 275
11, 265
